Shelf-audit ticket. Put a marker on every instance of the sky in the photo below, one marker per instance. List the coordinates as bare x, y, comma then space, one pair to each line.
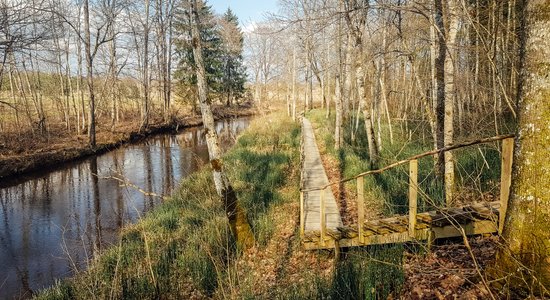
248, 11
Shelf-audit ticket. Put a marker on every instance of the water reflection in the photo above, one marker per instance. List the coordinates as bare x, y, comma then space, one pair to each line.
51, 225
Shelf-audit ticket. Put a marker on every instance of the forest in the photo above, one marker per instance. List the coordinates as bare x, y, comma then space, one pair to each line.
393, 149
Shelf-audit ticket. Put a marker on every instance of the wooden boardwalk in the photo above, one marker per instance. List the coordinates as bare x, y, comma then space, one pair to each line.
474, 219
313, 175
321, 225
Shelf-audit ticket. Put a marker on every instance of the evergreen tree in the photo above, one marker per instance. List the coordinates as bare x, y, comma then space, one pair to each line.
234, 72
222, 41
212, 48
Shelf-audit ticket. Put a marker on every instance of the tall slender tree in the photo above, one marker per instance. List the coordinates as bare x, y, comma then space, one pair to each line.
237, 218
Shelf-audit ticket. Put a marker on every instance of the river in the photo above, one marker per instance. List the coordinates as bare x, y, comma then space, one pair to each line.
52, 223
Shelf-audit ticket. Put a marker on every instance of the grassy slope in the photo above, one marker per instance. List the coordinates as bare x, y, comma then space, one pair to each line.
183, 248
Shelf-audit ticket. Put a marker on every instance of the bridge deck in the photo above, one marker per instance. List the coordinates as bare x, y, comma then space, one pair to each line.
314, 176
328, 232
474, 219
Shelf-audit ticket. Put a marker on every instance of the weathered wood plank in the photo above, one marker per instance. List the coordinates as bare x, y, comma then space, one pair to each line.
413, 195
395, 229
360, 207
314, 176
505, 179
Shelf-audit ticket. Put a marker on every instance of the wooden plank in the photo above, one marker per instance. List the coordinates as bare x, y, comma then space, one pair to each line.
348, 232
427, 234
451, 216
473, 228
323, 217
413, 196
360, 207
313, 178
424, 218
393, 224
302, 215
481, 212
374, 227
505, 179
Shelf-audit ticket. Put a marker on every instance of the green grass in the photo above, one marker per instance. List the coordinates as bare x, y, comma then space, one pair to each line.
477, 168
373, 272
184, 246
376, 272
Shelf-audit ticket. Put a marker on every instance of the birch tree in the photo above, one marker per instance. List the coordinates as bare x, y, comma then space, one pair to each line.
450, 95
236, 216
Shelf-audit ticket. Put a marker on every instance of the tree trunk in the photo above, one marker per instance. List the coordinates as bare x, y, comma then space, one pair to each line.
237, 219
450, 96
367, 109
113, 68
294, 100
527, 257
146, 93
440, 85
339, 126
89, 77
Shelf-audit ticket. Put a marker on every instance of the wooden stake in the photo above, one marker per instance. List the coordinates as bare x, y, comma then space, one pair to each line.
505, 180
323, 217
302, 214
360, 208
413, 195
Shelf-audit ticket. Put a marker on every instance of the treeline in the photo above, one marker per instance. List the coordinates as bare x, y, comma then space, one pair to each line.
450, 64
83, 63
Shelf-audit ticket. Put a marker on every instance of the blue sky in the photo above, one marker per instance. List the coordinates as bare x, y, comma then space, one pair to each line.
247, 10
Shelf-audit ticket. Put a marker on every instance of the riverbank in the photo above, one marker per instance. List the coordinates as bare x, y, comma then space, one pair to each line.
20, 155
184, 250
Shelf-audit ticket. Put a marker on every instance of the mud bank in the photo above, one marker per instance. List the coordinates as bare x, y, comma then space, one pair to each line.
40, 159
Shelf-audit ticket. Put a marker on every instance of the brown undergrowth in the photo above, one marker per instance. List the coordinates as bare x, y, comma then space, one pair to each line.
448, 271
282, 265
26, 152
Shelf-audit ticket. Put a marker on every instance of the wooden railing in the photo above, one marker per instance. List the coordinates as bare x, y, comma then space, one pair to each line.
505, 178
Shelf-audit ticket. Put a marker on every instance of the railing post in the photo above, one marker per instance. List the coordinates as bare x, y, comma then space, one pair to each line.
360, 208
505, 180
323, 217
413, 196
302, 214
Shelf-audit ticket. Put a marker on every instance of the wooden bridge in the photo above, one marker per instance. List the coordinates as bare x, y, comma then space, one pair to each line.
321, 225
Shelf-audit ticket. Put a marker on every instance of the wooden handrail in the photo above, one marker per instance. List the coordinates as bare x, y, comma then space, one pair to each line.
415, 157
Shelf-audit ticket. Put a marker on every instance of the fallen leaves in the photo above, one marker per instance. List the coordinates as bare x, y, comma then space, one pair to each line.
448, 271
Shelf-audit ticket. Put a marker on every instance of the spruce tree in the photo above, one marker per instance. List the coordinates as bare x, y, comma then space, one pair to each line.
234, 72
212, 48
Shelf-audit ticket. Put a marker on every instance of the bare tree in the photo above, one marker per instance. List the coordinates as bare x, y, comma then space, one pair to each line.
237, 219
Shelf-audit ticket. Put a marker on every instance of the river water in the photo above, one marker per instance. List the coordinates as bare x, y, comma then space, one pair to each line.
52, 224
